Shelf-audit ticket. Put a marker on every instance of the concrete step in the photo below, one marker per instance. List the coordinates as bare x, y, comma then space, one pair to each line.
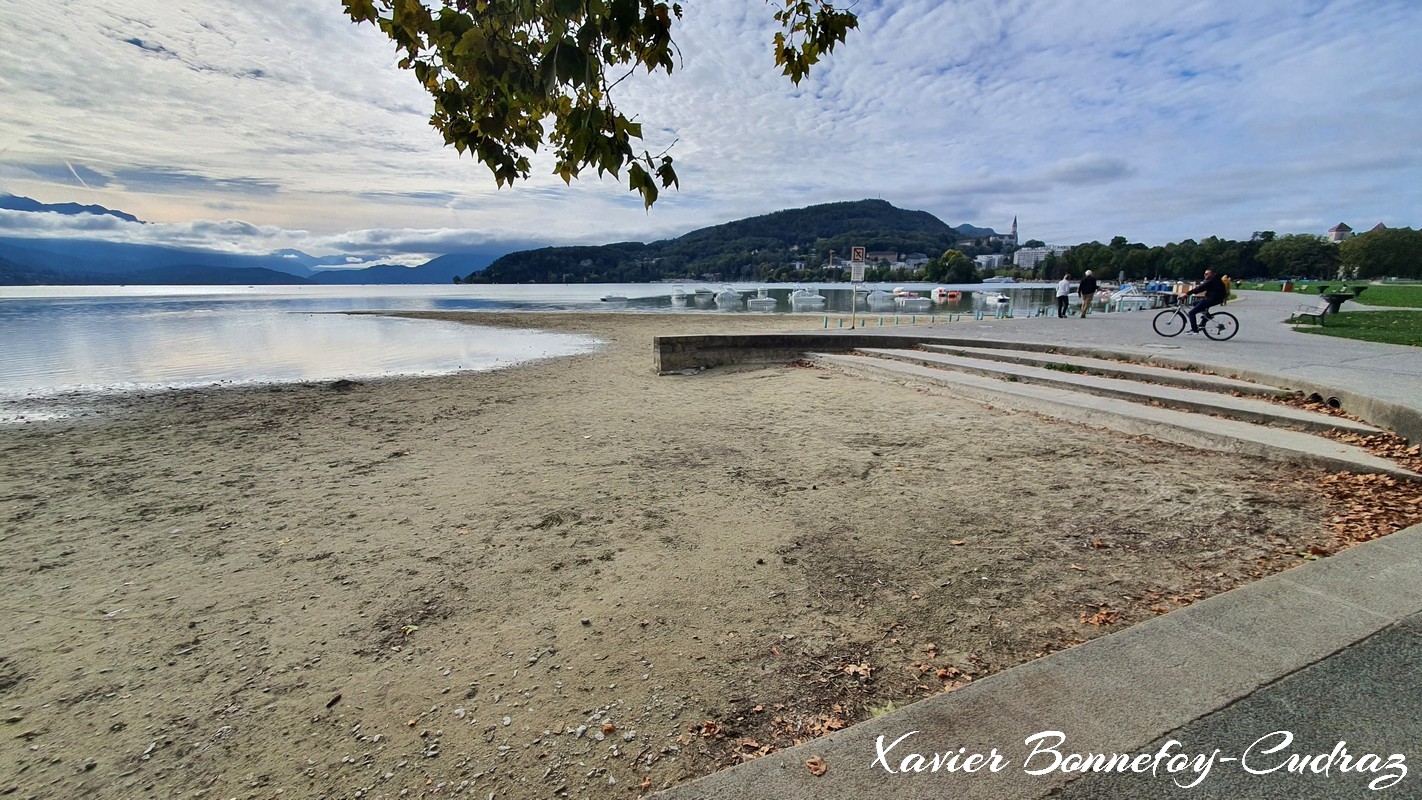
1113, 369
1246, 409
1162, 424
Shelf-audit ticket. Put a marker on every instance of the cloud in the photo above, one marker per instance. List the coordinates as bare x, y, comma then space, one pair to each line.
1086, 119
1088, 169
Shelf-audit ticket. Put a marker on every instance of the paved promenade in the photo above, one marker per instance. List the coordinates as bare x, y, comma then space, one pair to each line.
1306, 684
1264, 348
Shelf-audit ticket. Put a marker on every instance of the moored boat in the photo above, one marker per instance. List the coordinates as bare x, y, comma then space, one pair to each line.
762, 301
803, 299
729, 299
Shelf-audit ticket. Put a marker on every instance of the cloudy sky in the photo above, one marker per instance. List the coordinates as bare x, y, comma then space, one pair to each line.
251, 125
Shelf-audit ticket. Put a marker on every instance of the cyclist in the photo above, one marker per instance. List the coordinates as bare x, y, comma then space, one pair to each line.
1213, 293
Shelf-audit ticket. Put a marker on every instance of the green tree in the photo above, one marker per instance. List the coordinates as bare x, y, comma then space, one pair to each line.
952, 267
498, 69
1386, 253
1300, 254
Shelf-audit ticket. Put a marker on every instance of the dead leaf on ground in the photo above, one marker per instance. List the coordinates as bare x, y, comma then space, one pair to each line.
1102, 617
816, 766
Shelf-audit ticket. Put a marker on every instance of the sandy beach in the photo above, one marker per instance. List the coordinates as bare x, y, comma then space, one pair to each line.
570, 578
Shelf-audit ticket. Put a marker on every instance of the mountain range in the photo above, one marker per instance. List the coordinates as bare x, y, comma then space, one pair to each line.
746, 248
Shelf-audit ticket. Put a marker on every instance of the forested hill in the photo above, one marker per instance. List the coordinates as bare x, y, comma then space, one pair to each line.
779, 246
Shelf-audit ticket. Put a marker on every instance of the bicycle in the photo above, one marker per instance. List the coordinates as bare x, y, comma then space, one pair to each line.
1217, 325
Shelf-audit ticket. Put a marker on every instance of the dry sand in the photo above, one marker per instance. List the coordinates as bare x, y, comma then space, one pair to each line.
568, 578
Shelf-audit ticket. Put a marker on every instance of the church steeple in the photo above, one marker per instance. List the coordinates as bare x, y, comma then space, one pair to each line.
1014, 231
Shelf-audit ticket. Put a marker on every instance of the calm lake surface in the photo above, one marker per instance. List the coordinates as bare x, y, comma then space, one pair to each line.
58, 340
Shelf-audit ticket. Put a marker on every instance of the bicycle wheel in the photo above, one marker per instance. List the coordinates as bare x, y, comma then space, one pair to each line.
1221, 326
1169, 323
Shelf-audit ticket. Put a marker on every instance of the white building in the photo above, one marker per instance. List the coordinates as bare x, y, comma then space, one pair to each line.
990, 261
1029, 257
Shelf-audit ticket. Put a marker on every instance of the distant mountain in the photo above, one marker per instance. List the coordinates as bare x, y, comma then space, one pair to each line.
464, 263
12, 274
16, 203
386, 273
974, 232
792, 244
770, 246
120, 262
204, 275
442, 269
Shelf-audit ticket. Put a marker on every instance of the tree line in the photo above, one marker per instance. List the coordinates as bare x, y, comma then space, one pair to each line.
813, 245
1382, 253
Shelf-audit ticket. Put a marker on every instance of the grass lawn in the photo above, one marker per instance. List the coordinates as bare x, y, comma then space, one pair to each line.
1397, 295
1394, 295
1392, 327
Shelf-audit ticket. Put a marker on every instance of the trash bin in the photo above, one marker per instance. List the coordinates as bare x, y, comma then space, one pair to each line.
1288, 286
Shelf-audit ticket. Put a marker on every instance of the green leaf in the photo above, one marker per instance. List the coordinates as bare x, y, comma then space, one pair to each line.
497, 70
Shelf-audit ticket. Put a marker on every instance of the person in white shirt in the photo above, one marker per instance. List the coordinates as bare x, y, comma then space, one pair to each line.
1063, 295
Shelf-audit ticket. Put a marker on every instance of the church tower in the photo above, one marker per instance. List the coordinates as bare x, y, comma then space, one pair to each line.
1014, 232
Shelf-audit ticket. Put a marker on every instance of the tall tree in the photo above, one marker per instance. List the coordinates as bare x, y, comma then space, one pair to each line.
1390, 252
499, 70
1300, 254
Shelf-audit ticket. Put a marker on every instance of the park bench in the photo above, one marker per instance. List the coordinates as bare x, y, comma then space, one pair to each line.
1314, 313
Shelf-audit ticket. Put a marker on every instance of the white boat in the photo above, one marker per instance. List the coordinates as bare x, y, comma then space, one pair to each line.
994, 298
616, 299
762, 301
1131, 298
880, 300
678, 295
911, 302
1000, 279
803, 299
704, 297
728, 298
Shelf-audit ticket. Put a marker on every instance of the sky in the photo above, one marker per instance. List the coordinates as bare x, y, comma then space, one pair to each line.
254, 125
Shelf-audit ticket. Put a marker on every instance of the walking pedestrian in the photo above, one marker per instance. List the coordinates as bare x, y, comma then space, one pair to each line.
1063, 295
1087, 290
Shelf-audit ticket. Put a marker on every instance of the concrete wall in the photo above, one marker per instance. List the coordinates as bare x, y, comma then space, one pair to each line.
676, 353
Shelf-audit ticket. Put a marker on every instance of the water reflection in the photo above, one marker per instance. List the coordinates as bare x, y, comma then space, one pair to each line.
55, 339
54, 345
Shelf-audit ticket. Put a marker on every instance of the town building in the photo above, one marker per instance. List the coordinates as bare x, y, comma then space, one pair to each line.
1028, 258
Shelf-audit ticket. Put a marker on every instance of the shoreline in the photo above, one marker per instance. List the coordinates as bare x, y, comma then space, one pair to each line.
571, 574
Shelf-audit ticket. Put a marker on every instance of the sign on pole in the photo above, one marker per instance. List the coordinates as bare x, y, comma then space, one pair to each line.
856, 277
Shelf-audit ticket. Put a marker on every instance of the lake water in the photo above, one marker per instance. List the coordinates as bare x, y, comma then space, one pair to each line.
61, 339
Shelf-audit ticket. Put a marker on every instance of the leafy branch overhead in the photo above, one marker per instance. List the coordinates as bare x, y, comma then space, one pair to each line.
509, 76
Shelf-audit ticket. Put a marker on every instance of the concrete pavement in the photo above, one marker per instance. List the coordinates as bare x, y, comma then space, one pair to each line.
1306, 684
1367, 376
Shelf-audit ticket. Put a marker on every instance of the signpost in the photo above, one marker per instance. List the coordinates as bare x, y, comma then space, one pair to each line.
856, 277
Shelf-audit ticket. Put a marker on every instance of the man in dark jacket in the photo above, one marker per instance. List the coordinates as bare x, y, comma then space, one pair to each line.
1087, 290
1212, 292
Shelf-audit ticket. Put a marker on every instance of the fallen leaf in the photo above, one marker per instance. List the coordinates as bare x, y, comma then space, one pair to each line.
816, 766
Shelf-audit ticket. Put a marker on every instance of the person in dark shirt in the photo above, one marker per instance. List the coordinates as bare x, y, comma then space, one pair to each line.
1087, 289
1212, 292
